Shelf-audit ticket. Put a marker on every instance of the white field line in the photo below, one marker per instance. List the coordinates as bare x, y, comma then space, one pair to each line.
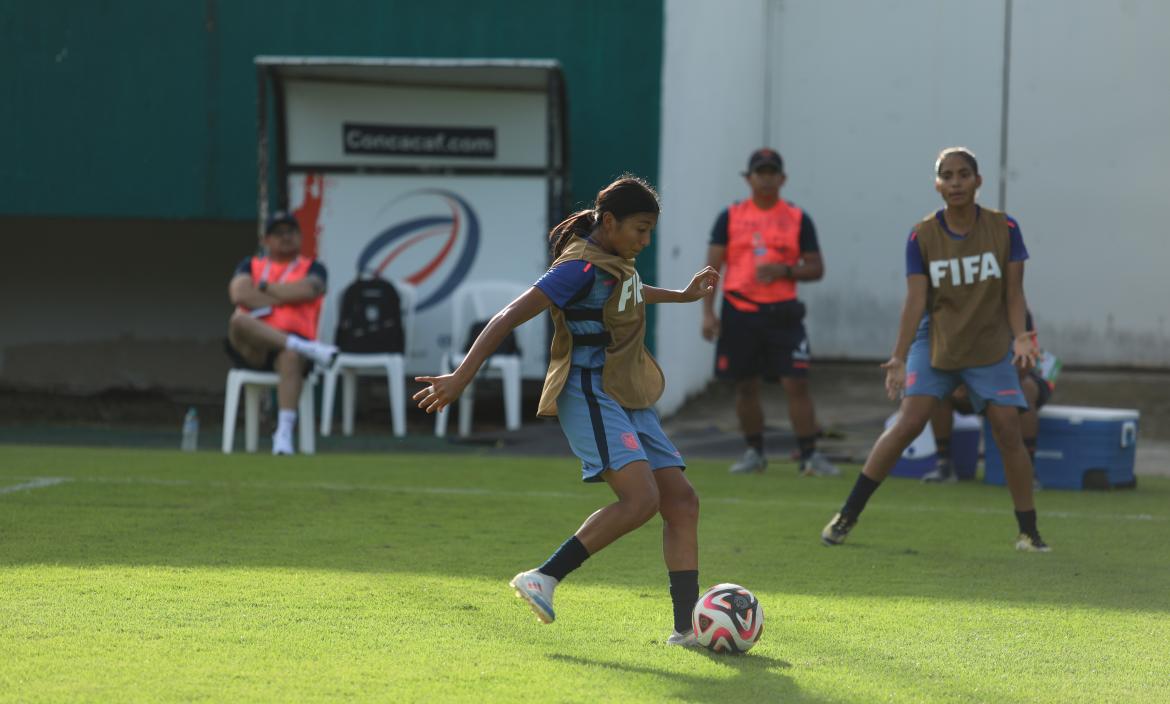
473, 491
37, 483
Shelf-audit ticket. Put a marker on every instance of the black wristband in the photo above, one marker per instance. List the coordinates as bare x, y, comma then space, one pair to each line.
262, 286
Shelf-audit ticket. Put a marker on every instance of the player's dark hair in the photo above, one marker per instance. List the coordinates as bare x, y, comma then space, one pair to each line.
967, 154
624, 197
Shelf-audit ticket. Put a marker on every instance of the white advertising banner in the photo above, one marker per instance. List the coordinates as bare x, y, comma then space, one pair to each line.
435, 233
348, 124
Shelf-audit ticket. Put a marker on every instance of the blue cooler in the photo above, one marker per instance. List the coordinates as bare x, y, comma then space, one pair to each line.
922, 455
917, 459
1077, 448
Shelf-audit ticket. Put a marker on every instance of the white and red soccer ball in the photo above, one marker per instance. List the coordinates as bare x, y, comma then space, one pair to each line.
728, 618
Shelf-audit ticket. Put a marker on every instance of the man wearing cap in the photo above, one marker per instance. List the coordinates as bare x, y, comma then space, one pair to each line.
274, 327
767, 245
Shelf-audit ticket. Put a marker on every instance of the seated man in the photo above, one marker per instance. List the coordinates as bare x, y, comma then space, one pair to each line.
274, 327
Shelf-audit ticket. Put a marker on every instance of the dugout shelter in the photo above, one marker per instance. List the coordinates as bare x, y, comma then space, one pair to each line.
435, 172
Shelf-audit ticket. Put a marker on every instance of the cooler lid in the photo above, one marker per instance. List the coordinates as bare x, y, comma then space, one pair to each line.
1078, 414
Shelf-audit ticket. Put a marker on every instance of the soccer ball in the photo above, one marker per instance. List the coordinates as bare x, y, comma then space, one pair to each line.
727, 618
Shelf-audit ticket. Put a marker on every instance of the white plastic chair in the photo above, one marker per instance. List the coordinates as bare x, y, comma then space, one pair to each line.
475, 301
252, 382
351, 364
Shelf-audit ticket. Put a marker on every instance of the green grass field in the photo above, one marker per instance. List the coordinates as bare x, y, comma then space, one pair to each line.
160, 576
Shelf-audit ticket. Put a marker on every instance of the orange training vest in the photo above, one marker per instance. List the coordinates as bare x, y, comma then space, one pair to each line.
297, 318
776, 231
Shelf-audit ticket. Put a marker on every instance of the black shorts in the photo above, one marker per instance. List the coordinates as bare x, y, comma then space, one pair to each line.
768, 344
238, 361
1045, 393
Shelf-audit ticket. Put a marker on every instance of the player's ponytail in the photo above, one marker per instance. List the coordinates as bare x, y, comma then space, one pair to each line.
580, 223
624, 197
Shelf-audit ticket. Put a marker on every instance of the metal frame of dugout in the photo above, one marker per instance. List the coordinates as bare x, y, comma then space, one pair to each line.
302, 134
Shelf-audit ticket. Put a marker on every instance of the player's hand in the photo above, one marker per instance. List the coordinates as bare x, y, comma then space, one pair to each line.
1024, 351
439, 393
702, 284
895, 377
710, 326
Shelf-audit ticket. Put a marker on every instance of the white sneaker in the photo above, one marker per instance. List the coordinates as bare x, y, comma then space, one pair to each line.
536, 588
685, 640
819, 466
320, 353
943, 473
282, 445
751, 462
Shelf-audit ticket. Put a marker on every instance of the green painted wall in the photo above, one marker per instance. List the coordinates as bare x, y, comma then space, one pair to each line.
146, 108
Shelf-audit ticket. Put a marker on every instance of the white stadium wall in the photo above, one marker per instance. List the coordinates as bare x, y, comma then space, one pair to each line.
862, 101
1088, 175
860, 96
712, 117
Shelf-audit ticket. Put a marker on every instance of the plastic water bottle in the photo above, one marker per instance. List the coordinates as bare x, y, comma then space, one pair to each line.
190, 431
759, 249
759, 253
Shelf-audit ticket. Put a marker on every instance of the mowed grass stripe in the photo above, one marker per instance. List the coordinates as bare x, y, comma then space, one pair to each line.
578, 495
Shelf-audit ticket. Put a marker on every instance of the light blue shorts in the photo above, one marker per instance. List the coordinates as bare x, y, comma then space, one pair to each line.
605, 435
997, 383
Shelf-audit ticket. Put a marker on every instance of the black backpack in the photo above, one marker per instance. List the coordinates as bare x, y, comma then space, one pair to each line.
508, 345
371, 318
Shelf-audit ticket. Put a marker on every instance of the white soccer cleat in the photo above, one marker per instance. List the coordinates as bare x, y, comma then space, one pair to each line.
684, 640
752, 462
536, 588
1031, 543
817, 465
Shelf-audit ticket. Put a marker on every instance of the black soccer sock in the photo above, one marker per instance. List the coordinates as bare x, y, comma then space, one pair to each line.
862, 490
684, 592
756, 441
1027, 521
567, 558
807, 445
1030, 446
943, 446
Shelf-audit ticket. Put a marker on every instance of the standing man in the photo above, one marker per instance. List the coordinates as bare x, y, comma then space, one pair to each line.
767, 245
274, 327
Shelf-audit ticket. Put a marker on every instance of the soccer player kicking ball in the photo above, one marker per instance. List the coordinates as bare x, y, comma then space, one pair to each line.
601, 385
965, 271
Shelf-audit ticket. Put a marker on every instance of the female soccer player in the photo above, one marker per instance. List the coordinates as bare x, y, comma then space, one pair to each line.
965, 271
601, 385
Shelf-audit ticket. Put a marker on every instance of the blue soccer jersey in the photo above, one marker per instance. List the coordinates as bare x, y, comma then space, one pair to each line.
580, 285
915, 264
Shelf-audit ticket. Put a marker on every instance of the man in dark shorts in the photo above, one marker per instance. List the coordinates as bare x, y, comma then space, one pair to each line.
274, 327
767, 245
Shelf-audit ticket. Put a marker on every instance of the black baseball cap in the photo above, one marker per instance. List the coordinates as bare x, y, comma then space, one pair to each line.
280, 217
765, 157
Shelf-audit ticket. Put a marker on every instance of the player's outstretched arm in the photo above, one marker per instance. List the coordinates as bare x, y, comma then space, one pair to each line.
443, 390
702, 284
912, 310
1024, 351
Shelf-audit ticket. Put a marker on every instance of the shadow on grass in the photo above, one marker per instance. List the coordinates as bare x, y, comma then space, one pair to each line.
757, 677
